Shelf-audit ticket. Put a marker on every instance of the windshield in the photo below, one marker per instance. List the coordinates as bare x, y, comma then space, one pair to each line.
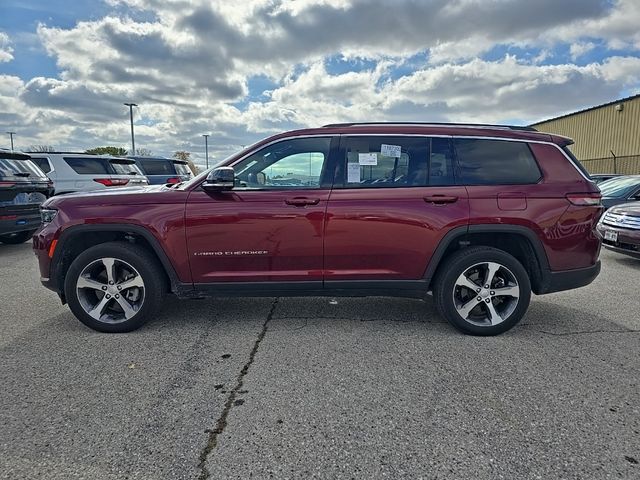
201, 176
25, 168
619, 187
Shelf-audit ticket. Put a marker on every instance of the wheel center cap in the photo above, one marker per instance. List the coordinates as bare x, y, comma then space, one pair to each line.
112, 289
485, 293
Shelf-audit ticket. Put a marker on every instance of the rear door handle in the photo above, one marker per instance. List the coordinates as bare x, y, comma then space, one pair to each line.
440, 199
302, 201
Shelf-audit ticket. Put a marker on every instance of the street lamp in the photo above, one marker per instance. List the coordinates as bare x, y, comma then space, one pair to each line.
206, 149
11, 134
133, 142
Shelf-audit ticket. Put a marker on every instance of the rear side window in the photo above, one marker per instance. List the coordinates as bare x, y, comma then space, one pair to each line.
157, 167
379, 162
495, 162
42, 163
88, 165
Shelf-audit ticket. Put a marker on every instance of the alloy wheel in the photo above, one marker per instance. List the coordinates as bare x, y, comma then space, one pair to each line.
486, 294
110, 290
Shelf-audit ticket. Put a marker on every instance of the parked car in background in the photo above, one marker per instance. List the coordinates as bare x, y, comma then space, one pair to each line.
603, 177
82, 172
619, 228
482, 216
160, 170
619, 190
23, 188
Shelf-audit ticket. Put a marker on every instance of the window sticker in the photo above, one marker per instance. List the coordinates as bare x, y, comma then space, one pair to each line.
353, 173
368, 158
391, 150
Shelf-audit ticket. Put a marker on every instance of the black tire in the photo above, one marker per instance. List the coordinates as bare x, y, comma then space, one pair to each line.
146, 266
474, 257
17, 238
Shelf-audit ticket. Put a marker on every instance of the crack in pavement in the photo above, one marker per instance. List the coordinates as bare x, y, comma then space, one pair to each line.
221, 423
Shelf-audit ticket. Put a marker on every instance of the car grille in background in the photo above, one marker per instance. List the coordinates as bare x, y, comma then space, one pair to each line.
621, 221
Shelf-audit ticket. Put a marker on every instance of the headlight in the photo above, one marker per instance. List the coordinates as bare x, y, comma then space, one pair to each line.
47, 215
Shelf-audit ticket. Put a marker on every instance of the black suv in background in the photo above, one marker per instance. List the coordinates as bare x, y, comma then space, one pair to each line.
23, 188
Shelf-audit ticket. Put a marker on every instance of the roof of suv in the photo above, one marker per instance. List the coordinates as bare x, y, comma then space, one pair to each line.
417, 128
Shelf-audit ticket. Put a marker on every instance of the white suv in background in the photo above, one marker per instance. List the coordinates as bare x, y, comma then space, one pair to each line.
81, 172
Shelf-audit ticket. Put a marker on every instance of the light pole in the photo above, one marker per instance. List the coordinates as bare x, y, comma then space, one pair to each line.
11, 134
133, 141
206, 148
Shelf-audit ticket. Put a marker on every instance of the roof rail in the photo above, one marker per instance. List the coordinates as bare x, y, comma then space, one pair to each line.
435, 124
60, 152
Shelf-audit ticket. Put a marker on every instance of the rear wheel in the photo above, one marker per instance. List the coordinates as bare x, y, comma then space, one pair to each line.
114, 287
482, 291
16, 238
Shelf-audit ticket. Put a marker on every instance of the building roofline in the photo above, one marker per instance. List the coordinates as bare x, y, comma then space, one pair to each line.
625, 99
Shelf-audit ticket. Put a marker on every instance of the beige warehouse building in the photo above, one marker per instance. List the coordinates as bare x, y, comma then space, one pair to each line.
607, 136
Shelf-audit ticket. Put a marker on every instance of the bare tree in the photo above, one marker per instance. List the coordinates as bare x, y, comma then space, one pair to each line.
143, 152
41, 148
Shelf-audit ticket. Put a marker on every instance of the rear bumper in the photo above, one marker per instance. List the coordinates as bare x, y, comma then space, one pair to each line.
568, 279
14, 221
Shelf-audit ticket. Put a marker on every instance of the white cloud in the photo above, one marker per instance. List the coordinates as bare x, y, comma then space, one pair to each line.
6, 52
578, 49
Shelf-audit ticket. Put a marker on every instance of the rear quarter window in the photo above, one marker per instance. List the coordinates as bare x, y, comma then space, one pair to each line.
157, 167
42, 163
88, 165
495, 162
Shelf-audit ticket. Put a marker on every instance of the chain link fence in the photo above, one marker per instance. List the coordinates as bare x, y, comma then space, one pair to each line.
625, 165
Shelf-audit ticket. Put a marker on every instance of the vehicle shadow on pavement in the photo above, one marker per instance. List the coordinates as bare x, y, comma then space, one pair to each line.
624, 261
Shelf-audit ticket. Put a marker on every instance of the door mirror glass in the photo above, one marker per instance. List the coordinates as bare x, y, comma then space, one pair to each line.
219, 179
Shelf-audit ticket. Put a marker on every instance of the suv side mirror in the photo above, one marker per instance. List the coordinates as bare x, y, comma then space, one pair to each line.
222, 178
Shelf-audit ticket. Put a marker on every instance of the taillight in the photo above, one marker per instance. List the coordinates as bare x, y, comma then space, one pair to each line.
112, 182
7, 184
174, 180
584, 199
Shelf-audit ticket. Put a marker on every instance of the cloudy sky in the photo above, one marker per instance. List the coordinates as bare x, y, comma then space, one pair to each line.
241, 70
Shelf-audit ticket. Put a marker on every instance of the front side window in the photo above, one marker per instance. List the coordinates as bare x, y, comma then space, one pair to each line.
495, 162
290, 164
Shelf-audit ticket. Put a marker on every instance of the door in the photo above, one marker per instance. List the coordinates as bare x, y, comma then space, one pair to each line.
269, 228
393, 200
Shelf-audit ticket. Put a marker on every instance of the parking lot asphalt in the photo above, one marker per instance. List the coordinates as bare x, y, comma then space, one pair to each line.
311, 388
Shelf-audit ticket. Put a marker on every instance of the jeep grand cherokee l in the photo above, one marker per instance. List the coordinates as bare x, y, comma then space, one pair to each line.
481, 216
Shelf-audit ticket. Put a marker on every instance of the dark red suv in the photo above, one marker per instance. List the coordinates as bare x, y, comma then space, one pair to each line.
479, 215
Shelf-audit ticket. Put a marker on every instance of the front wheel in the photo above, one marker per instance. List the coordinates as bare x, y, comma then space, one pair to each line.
482, 291
114, 287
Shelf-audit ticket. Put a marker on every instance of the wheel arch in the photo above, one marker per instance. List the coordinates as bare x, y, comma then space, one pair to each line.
517, 240
76, 239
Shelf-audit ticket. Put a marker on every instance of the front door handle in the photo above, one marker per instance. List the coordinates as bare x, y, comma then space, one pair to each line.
302, 201
440, 199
